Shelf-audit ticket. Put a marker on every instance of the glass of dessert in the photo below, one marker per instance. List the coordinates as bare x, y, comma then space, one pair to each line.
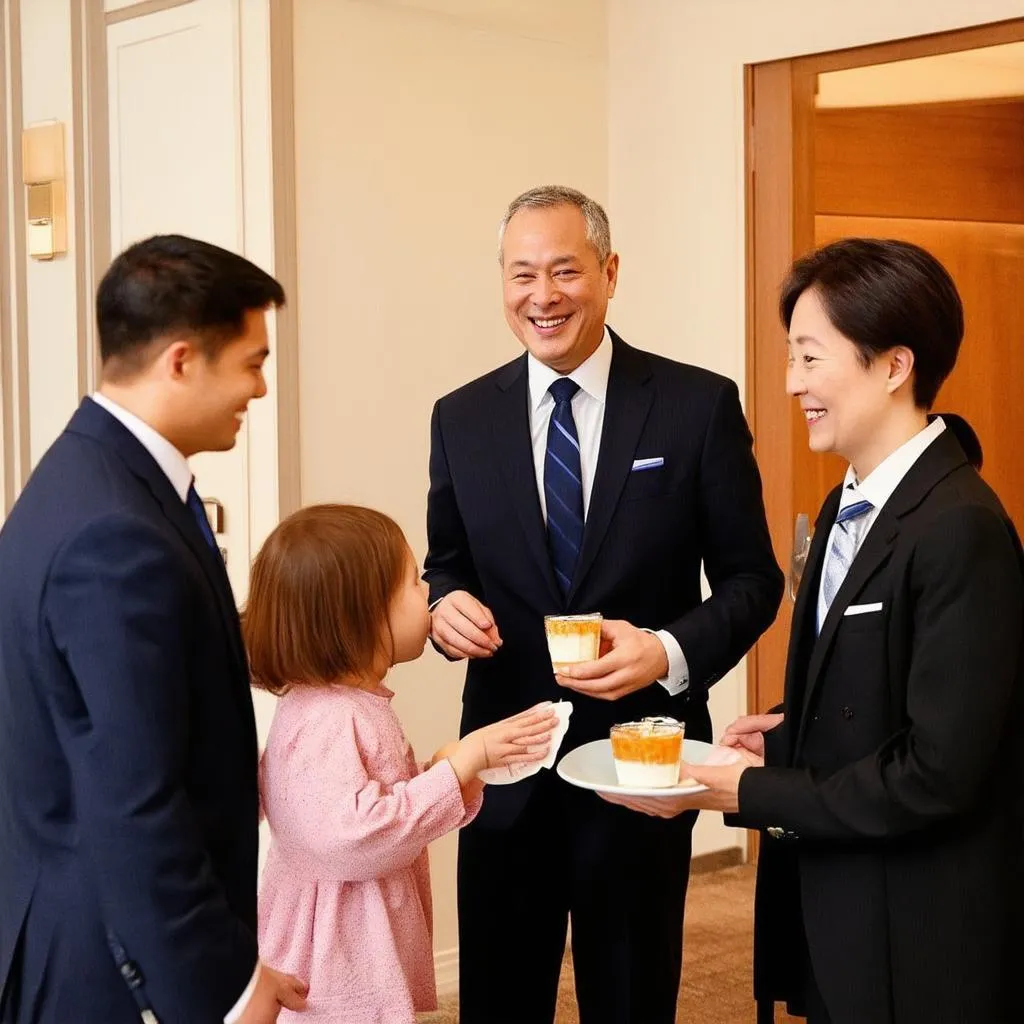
573, 638
647, 753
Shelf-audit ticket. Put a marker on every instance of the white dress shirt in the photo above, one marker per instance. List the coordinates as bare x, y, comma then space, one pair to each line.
878, 486
178, 471
588, 412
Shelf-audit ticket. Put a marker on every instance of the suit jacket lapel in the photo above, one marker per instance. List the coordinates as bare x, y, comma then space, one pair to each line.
627, 405
91, 419
938, 460
803, 635
184, 522
513, 448
874, 552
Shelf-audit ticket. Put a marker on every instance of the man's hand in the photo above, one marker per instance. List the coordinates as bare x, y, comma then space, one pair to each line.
273, 991
463, 627
722, 794
630, 659
747, 733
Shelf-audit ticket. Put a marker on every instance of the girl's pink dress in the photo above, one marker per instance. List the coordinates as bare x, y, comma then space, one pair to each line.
345, 894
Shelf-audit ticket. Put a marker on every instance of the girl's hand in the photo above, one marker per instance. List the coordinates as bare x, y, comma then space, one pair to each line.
444, 753
747, 733
521, 739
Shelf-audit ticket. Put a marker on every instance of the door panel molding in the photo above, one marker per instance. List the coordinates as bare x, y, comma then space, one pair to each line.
246, 161
15, 432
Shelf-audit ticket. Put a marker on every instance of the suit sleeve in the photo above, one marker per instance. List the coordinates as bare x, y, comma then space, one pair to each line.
746, 582
448, 564
968, 598
118, 607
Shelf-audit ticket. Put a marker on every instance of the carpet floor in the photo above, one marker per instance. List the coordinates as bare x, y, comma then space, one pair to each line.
717, 946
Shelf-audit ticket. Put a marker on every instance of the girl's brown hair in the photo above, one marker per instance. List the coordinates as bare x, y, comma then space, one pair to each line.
319, 593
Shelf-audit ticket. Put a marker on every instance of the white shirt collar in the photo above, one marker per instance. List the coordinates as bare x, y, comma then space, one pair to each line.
591, 374
168, 458
878, 486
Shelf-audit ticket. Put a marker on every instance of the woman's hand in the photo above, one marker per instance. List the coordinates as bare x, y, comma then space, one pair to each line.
748, 732
722, 794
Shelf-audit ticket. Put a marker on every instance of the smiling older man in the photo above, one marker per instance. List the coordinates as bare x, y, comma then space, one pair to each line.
585, 476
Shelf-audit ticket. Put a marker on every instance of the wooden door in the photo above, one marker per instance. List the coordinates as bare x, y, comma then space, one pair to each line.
987, 263
965, 216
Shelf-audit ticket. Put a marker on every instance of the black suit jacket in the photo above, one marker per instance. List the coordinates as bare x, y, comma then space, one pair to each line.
128, 799
646, 535
898, 769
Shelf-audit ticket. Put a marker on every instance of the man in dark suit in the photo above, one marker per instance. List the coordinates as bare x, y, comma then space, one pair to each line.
585, 476
889, 884
128, 794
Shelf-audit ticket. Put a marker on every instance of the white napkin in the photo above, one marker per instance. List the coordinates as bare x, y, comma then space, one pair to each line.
509, 773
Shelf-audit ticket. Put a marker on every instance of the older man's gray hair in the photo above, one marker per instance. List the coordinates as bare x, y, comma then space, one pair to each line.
599, 234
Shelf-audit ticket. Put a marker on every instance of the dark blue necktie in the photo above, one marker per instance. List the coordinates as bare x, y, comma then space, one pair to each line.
563, 484
195, 504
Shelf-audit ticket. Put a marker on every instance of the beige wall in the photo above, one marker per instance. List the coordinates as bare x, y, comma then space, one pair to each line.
675, 169
47, 91
413, 128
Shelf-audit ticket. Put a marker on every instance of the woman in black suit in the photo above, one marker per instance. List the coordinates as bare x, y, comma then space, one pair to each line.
888, 784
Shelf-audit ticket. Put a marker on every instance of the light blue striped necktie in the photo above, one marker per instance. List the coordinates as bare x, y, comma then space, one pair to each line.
563, 484
845, 541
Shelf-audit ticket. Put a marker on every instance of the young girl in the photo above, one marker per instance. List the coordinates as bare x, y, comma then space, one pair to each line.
334, 601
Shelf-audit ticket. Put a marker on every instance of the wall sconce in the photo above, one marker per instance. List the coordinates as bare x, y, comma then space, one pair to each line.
42, 165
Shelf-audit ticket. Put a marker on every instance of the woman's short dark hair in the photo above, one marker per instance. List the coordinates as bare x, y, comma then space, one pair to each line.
882, 293
170, 286
319, 594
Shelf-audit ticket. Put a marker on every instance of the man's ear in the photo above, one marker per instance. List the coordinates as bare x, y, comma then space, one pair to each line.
611, 272
176, 357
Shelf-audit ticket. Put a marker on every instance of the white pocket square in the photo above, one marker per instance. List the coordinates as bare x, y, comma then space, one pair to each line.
639, 464
863, 609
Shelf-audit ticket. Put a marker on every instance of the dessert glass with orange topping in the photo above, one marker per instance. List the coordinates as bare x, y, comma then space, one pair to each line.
647, 753
573, 638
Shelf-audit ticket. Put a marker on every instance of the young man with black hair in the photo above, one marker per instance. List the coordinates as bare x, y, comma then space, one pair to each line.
128, 757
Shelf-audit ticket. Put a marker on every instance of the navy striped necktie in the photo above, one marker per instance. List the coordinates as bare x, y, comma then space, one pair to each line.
563, 484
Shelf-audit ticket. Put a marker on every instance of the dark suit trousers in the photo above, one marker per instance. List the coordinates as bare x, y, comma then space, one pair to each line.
619, 876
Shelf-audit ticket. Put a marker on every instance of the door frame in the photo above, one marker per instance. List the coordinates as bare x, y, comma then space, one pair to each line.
779, 183
265, 33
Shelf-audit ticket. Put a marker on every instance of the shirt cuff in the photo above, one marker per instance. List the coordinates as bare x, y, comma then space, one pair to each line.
238, 1009
677, 679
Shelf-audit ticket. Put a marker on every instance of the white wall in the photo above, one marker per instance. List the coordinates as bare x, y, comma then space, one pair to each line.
51, 303
676, 169
415, 124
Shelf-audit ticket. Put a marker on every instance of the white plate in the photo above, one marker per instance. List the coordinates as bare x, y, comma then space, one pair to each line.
591, 767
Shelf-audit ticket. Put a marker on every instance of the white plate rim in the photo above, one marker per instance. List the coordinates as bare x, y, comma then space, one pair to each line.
616, 789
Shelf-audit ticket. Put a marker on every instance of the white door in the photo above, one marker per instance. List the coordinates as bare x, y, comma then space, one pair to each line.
190, 154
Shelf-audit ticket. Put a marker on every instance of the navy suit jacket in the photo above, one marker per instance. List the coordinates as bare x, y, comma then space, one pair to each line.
647, 534
128, 755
